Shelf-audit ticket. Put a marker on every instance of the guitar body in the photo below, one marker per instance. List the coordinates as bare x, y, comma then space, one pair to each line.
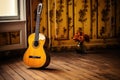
35, 56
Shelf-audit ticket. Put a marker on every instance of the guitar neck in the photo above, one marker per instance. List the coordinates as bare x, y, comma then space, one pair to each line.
37, 29
39, 9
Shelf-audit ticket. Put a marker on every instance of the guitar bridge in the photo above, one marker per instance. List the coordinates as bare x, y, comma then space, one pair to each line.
38, 57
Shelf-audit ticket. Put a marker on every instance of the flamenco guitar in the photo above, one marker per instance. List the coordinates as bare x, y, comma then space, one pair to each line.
35, 55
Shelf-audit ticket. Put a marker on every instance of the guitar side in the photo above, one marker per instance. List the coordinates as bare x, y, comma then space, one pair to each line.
36, 57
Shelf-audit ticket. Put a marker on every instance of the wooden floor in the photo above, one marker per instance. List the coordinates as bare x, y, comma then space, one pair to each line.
66, 66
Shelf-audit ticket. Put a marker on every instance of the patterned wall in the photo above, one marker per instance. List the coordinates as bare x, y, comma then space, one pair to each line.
61, 19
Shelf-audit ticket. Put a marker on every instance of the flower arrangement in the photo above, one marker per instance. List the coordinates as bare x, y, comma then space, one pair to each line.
80, 37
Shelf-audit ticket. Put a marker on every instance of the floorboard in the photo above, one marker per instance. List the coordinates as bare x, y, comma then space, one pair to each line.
65, 66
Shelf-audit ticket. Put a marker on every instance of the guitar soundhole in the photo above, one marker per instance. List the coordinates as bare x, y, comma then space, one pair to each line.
36, 43
38, 57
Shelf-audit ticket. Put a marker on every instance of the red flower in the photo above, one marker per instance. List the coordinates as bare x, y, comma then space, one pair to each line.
81, 37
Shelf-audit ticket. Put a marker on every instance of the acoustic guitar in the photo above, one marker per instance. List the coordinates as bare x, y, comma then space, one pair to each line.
35, 56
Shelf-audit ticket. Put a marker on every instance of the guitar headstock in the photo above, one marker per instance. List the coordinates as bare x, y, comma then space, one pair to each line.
39, 8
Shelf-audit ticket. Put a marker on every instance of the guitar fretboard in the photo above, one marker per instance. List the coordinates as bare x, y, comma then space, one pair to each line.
37, 29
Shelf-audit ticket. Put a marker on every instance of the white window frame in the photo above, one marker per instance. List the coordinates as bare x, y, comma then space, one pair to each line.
9, 10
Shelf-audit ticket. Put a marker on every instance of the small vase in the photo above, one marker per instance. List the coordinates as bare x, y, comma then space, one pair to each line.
80, 48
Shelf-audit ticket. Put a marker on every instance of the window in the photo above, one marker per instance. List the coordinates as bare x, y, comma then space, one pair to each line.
9, 9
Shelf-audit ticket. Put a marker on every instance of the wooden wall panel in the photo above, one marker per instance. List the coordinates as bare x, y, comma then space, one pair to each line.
12, 35
118, 18
62, 22
8, 38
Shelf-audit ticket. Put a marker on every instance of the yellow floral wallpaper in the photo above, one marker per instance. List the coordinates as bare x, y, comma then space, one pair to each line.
61, 19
